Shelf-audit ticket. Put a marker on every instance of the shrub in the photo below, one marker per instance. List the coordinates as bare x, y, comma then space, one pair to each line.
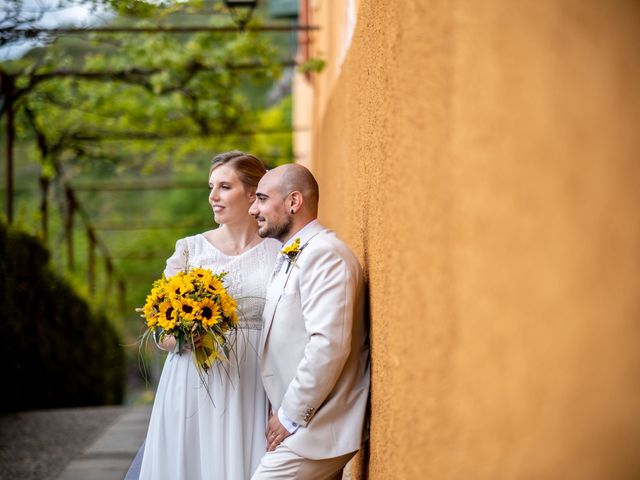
56, 351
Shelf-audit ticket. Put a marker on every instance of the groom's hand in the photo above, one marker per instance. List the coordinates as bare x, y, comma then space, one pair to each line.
276, 433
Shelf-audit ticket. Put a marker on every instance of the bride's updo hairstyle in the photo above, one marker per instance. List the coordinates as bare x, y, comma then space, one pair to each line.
248, 167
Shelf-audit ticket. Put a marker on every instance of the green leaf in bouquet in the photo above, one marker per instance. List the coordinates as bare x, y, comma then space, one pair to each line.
180, 343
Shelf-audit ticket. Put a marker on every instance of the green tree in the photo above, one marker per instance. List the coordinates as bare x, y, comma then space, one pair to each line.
140, 109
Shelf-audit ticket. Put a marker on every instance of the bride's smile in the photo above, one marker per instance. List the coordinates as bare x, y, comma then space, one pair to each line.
229, 197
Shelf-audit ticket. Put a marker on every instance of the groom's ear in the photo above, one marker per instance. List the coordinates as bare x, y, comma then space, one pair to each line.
295, 201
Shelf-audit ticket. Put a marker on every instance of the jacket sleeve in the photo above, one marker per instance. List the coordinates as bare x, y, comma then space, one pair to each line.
327, 290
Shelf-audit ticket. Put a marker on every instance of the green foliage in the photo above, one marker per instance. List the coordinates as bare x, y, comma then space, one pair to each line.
136, 8
143, 99
139, 108
56, 351
312, 65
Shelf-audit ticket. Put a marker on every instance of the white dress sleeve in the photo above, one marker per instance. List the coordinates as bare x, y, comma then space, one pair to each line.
179, 260
175, 263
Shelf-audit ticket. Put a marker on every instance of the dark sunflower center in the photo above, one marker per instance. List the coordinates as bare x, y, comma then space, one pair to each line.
168, 313
207, 312
187, 308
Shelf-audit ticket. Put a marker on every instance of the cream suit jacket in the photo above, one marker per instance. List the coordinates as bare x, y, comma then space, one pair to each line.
314, 350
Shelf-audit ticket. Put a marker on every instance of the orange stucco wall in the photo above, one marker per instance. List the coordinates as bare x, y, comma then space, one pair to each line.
483, 161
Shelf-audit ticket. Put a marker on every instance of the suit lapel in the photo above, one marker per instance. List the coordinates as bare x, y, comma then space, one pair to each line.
274, 292
278, 283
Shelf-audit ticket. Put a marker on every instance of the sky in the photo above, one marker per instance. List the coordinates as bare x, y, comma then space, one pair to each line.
75, 14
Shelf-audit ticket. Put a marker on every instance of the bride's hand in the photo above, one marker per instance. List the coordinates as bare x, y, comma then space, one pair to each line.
168, 343
194, 343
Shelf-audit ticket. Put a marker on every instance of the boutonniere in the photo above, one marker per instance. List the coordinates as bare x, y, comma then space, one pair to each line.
291, 253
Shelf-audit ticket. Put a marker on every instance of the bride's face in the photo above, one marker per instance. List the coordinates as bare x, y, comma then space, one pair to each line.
229, 197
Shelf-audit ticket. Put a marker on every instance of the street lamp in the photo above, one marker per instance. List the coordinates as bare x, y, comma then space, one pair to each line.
241, 11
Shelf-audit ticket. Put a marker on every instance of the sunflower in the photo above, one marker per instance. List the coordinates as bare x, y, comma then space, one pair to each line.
292, 250
187, 285
229, 307
185, 308
179, 285
158, 287
209, 312
152, 320
159, 284
167, 318
193, 303
174, 284
151, 306
202, 274
214, 285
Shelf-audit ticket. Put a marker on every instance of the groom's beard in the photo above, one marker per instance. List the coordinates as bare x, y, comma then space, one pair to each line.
279, 231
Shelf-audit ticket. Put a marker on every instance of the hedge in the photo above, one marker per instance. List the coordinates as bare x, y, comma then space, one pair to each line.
55, 351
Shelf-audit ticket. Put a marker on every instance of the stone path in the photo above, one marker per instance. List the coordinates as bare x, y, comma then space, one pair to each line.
92, 443
109, 457
96, 443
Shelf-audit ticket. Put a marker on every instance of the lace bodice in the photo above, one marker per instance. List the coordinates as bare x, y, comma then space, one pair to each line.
247, 273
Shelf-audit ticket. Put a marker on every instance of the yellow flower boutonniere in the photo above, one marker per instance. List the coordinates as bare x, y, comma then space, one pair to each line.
291, 253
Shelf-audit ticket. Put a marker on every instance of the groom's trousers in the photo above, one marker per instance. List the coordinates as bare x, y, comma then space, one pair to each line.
283, 463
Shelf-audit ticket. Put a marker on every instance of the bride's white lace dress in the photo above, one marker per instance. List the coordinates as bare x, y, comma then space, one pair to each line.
216, 433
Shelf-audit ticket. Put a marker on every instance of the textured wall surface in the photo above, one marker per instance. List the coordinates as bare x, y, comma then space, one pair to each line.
483, 160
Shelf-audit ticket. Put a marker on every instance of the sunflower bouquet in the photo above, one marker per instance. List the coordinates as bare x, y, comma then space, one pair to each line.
196, 309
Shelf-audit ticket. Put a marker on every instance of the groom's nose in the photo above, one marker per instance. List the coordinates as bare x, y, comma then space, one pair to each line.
253, 210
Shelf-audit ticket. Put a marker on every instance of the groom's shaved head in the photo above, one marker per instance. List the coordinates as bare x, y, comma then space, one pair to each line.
295, 177
286, 201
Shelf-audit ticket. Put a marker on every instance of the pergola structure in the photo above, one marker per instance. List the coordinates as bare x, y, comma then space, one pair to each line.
12, 93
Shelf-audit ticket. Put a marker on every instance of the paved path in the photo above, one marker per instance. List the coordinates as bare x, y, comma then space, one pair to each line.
110, 455
91, 443
96, 443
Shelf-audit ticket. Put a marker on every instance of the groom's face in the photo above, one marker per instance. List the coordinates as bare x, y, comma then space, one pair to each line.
274, 221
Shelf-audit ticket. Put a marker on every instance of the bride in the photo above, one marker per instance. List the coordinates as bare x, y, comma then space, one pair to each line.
217, 431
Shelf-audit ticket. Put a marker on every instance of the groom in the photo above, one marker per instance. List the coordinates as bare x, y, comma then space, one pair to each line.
314, 350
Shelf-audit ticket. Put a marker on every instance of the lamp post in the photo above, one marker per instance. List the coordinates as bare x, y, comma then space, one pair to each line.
241, 11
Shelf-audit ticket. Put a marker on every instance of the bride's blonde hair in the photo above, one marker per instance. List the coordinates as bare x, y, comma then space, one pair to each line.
249, 168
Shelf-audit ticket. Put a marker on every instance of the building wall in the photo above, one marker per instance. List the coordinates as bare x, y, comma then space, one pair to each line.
483, 161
